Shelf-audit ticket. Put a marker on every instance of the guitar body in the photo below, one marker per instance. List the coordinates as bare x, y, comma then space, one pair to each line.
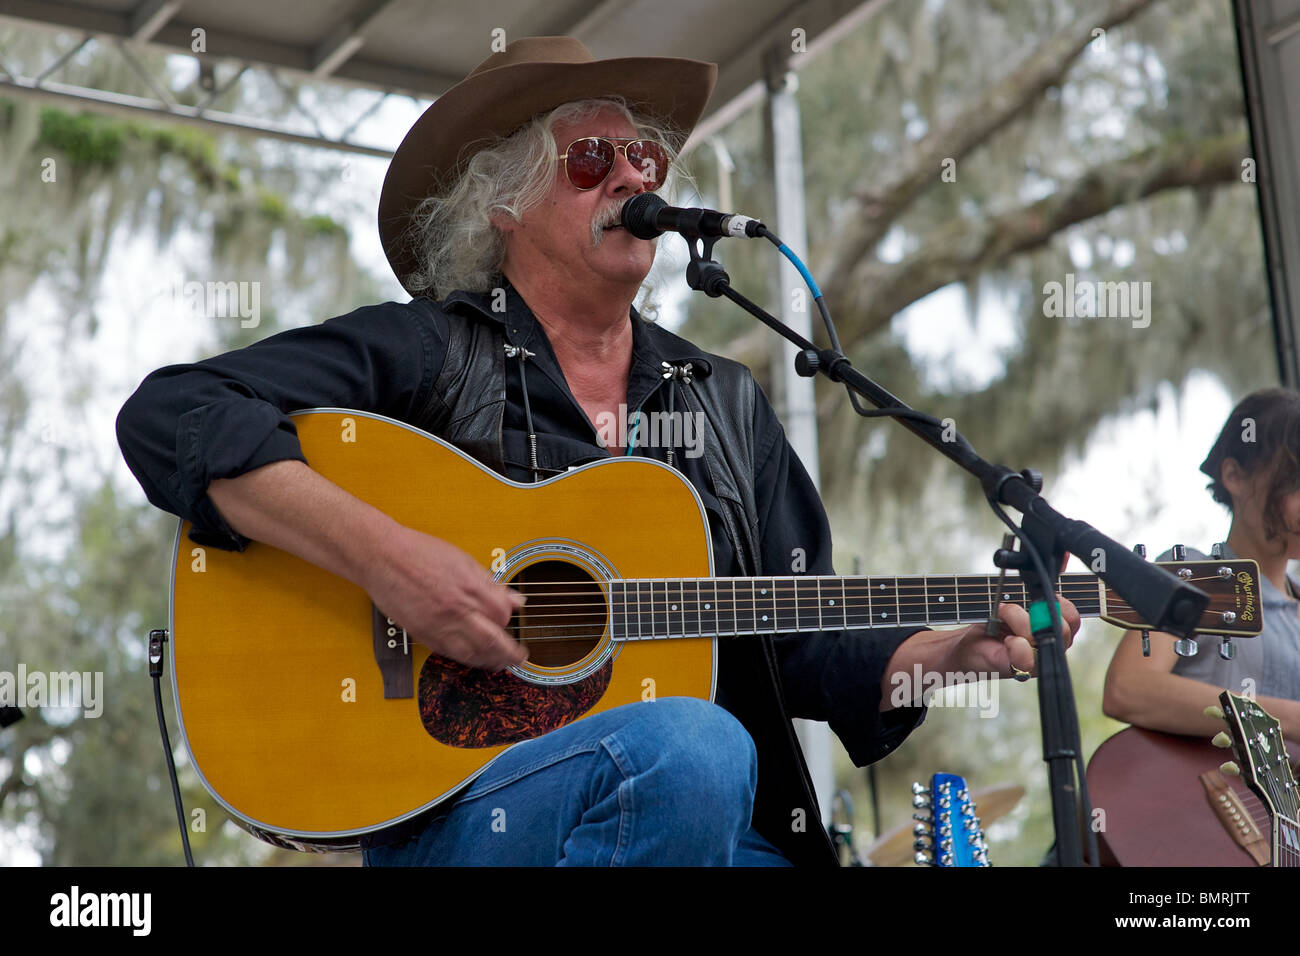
1157, 811
314, 720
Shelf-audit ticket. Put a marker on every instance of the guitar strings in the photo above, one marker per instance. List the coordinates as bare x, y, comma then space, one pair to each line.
595, 606
861, 596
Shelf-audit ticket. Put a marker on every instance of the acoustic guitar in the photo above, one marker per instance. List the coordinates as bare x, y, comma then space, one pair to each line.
1264, 763
314, 719
1167, 802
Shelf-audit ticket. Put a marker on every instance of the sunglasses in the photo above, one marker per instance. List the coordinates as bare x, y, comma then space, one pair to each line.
589, 160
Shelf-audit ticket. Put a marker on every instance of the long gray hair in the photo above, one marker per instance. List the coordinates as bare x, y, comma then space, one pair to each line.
458, 246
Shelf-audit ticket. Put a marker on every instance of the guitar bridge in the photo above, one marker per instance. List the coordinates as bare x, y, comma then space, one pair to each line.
393, 655
1236, 820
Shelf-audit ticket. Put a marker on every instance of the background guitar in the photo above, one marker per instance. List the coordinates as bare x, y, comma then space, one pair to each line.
1264, 765
1167, 803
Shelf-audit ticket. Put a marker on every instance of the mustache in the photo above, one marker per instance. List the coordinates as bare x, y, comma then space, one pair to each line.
611, 215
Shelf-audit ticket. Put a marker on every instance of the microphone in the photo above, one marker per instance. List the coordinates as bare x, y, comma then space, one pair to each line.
647, 216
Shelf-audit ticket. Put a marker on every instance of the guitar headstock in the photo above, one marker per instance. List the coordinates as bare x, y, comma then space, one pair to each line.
949, 834
1233, 586
1263, 763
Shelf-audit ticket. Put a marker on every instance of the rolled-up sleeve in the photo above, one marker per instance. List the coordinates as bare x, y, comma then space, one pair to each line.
834, 676
189, 425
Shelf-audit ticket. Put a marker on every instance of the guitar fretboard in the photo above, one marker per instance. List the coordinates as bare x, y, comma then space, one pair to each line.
648, 609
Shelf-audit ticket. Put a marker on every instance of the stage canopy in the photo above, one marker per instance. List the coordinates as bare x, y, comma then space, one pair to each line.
419, 47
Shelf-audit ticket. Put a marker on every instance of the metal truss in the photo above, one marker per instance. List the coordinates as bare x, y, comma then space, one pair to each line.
163, 106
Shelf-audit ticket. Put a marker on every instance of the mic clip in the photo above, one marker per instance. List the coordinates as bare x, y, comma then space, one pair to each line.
703, 274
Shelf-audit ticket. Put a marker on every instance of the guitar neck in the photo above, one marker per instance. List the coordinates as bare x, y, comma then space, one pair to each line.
721, 607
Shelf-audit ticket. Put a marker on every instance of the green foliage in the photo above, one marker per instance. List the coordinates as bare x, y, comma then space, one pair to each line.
323, 226
271, 207
86, 139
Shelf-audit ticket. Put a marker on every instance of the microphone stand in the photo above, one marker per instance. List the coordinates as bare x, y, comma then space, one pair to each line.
1163, 601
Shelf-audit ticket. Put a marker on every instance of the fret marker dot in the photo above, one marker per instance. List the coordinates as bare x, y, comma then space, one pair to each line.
940, 598
831, 602
675, 606
882, 587
707, 606
765, 617
884, 614
763, 591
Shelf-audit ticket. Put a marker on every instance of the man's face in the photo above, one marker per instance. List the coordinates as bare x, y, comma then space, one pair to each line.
557, 238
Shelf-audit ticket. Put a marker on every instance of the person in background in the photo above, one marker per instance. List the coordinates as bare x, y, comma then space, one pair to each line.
1254, 469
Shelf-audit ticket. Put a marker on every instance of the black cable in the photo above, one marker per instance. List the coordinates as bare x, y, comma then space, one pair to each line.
1071, 709
156, 640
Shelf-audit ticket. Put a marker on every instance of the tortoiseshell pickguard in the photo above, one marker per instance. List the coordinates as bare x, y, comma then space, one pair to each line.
467, 707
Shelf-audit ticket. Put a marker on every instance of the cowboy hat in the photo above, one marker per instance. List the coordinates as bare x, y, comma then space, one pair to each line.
505, 91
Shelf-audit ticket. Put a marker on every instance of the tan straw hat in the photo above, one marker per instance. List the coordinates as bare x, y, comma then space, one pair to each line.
505, 91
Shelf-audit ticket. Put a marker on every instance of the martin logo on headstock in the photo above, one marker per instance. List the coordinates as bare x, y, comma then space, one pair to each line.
1236, 613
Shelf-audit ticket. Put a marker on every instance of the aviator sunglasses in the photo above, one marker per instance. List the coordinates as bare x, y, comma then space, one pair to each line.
589, 160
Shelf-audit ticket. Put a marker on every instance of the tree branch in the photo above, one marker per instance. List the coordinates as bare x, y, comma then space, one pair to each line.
874, 212
963, 248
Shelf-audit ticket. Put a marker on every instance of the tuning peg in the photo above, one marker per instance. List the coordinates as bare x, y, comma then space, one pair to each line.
921, 845
1227, 650
1185, 647
921, 817
1180, 552
1230, 768
1221, 740
920, 828
921, 801
1214, 710
923, 859
1216, 550
1141, 551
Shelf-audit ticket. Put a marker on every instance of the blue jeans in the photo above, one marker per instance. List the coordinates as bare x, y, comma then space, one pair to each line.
664, 782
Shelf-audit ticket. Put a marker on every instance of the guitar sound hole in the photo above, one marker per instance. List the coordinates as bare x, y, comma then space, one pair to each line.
565, 615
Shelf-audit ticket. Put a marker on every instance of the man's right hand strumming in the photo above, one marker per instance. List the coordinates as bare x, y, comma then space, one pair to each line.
446, 601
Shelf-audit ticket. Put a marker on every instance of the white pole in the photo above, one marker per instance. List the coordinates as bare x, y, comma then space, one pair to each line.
795, 399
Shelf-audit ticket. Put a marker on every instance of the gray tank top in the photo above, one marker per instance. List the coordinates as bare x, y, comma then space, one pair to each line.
1265, 666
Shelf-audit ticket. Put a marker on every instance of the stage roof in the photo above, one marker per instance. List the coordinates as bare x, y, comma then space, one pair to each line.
422, 47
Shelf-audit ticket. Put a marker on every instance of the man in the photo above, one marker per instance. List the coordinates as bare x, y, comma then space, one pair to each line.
503, 201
